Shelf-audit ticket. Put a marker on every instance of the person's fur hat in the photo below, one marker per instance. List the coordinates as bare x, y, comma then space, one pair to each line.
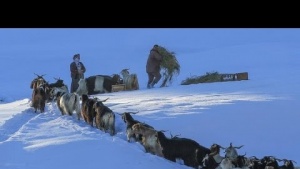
76, 56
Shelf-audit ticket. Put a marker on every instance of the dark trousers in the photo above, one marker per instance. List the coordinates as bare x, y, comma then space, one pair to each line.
74, 85
153, 77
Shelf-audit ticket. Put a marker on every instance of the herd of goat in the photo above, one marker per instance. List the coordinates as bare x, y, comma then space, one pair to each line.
95, 113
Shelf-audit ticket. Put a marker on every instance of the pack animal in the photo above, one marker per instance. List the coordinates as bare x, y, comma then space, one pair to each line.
213, 159
130, 80
231, 152
116, 78
180, 148
288, 164
105, 118
149, 138
58, 84
39, 99
95, 85
36, 82
68, 103
88, 113
129, 121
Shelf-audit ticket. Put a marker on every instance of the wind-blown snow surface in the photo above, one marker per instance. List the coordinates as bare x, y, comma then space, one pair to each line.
260, 113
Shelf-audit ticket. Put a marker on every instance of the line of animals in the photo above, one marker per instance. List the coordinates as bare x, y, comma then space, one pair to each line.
43, 91
95, 113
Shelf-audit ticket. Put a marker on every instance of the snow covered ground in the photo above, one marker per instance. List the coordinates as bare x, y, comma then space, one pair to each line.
260, 113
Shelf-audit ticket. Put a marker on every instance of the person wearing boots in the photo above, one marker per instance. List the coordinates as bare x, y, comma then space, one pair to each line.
153, 67
77, 72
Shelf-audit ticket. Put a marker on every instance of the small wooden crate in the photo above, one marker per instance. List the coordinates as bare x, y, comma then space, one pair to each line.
118, 87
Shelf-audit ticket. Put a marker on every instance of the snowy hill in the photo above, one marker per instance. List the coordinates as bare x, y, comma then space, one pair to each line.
32, 140
260, 113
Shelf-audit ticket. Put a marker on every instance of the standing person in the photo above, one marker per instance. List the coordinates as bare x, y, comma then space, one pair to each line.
153, 67
77, 72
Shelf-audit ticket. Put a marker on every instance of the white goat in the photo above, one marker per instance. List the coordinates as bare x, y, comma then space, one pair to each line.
130, 80
226, 163
68, 102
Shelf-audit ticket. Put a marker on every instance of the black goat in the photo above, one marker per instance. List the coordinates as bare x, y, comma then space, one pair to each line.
182, 148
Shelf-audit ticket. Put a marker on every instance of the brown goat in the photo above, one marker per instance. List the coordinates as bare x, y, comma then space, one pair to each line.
87, 111
35, 83
39, 99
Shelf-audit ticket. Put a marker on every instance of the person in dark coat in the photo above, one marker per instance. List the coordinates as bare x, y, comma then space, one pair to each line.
153, 67
77, 72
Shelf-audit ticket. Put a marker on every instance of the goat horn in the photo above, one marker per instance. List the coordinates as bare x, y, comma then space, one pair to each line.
239, 147
244, 155
288, 160
175, 135
39, 75
104, 100
133, 112
253, 157
124, 70
222, 147
163, 130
